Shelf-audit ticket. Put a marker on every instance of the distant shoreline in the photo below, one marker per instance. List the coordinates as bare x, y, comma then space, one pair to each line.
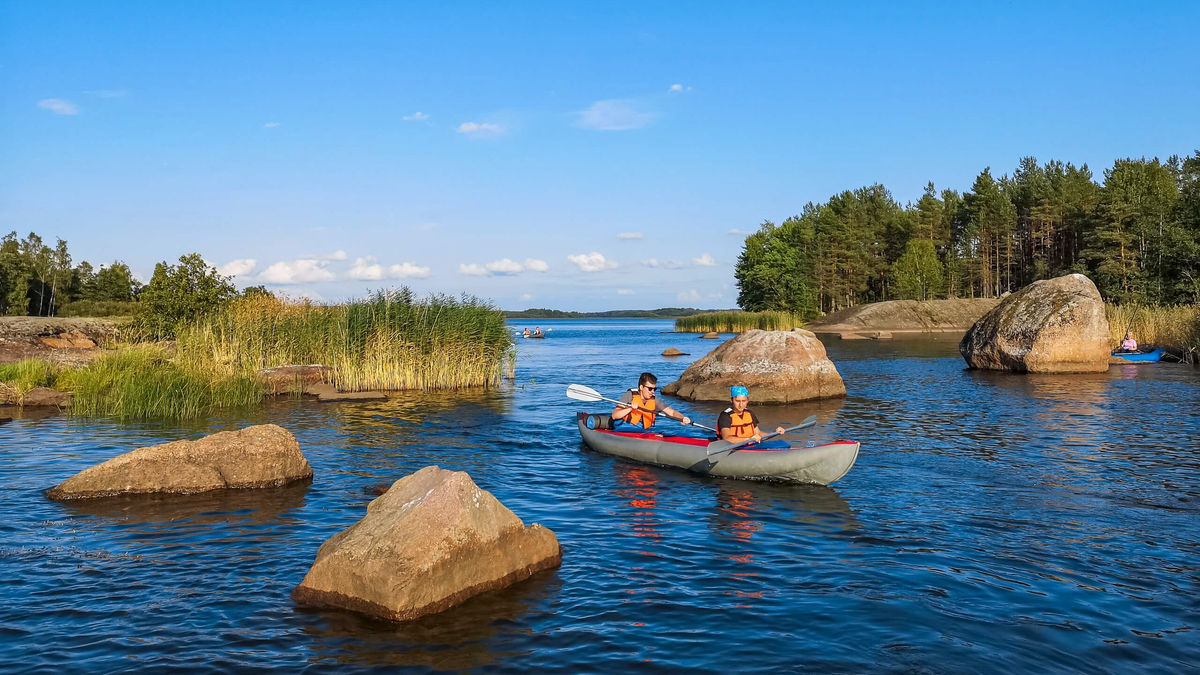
661, 313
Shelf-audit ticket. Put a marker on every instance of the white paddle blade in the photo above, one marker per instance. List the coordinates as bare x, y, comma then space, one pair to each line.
582, 393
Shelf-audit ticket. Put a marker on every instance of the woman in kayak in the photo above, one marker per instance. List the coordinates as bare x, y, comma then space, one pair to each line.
1128, 344
639, 407
737, 423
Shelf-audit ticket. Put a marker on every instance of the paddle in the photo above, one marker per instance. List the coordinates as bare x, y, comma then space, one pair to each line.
582, 393
727, 446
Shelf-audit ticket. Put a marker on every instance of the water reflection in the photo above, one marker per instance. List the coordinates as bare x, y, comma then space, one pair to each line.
258, 506
638, 487
463, 637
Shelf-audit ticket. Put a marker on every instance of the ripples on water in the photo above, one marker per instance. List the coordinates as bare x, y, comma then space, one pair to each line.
993, 522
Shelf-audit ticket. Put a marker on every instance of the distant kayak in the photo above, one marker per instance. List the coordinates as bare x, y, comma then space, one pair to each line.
1155, 355
772, 461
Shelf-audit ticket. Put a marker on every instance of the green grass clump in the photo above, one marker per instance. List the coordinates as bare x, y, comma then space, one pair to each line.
738, 322
388, 341
142, 382
17, 379
1176, 326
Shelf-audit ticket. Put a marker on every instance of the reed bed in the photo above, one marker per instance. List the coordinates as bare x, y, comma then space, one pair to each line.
1177, 327
388, 341
145, 382
737, 322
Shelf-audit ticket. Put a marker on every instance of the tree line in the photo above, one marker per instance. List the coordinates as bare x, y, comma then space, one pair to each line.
37, 280
1136, 234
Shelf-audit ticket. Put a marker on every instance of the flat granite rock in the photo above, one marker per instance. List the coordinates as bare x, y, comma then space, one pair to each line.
265, 455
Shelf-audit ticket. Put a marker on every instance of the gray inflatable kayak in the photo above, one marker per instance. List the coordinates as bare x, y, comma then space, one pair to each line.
820, 464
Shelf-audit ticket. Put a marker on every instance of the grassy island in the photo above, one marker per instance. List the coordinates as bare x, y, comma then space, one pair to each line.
389, 341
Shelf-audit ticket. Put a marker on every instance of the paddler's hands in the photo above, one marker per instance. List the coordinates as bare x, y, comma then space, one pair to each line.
685, 419
757, 438
780, 430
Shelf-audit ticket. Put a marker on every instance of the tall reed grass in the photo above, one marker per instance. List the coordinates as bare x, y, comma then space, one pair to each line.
738, 322
388, 341
17, 379
144, 382
1175, 326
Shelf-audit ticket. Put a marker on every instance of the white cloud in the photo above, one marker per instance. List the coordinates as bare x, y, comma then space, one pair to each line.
613, 115
526, 296
337, 255
592, 262
366, 269
677, 88
705, 260
689, 296
297, 271
271, 125
737, 231
624, 291
480, 129
236, 268
58, 106
715, 295
407, 269
505, 266
629, 235
416, 117
664, 264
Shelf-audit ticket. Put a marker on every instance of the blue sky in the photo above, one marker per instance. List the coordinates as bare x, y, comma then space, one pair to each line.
582, 156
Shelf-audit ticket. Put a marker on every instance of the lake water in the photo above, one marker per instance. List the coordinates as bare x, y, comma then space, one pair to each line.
992, 523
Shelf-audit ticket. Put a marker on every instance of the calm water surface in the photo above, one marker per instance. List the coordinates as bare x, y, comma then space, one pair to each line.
992, 523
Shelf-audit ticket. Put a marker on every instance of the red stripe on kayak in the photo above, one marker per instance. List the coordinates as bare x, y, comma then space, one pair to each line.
647, 436
691, 440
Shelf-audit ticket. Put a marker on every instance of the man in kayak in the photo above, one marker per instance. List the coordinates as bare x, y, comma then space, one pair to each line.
639, 407
736, 423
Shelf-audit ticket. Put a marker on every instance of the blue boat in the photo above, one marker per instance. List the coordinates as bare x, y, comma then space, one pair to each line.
1155, 355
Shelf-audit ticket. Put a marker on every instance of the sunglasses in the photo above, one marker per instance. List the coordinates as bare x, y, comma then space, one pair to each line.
649, 387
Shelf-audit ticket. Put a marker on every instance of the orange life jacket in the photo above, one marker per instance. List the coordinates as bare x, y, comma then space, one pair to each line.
645, 419
741, 424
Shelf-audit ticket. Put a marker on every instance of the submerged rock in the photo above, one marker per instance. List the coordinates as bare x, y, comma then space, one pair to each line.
430, 542
710, 336
260, 456
671, 351
293, 379
1050, 326
38, 397
777, 366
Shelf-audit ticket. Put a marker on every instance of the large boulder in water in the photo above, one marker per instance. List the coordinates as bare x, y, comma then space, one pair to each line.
1050, 326
430, 542
777, 366
260, 456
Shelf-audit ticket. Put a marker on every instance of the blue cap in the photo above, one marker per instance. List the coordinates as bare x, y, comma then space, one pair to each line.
739, 391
